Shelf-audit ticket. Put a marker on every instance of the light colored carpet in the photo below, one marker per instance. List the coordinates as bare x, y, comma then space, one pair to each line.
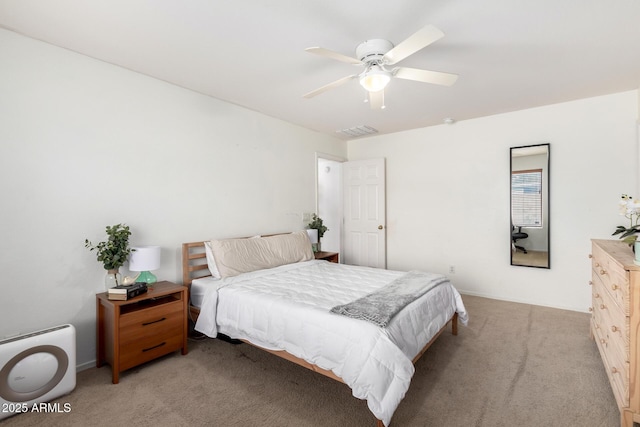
514, 365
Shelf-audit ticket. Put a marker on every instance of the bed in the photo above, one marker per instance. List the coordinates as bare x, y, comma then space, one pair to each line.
270, 292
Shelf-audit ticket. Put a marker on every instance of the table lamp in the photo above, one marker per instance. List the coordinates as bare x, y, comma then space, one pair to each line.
144, 259
313, 236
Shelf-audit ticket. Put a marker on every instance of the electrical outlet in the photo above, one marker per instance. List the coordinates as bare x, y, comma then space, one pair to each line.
452, 269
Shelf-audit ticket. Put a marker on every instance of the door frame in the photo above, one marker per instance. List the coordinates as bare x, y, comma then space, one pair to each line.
325, 156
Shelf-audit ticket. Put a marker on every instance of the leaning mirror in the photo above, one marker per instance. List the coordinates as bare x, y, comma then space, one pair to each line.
530, 206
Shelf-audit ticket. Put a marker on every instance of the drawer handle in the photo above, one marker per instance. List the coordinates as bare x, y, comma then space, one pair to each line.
590, 308
590, 283
603, 341
155, 321
590, 256
602, 272
602, 306
614, 370
596, 295
614, 287
155, 346
614, 329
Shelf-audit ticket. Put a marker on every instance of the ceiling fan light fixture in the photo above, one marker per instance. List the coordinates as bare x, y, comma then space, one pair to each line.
378, 54
375, 79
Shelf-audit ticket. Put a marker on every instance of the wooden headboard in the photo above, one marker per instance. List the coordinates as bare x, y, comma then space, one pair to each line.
194, 262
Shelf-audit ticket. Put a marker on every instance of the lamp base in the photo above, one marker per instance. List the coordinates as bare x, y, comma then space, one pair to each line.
146, 277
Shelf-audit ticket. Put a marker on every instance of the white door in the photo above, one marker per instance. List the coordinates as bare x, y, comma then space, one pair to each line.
364, 213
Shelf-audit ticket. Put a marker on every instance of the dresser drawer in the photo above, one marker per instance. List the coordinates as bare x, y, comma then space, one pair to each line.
617, 370
610, 329
614, 278
613, 341
611, 318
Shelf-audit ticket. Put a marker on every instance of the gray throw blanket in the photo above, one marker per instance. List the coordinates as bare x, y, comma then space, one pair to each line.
379, 307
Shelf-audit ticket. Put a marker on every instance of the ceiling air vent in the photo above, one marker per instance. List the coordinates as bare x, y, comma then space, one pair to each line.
357, 131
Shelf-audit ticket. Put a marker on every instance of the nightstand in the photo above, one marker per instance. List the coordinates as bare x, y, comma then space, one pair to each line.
327, 256
140, 329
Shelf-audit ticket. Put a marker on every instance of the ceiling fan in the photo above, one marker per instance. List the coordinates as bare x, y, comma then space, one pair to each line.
376, 55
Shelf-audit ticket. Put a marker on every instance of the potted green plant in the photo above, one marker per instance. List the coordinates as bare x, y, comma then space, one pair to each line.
113, 252
316, 222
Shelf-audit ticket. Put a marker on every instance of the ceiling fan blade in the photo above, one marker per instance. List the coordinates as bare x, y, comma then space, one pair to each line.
376, 100
333, 55
425, 76
418, 40
329, 86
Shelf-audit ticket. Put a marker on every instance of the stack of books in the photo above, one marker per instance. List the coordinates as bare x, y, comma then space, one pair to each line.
124, 292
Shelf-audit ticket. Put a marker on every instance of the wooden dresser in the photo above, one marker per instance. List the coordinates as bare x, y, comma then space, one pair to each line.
615, 322
142, 328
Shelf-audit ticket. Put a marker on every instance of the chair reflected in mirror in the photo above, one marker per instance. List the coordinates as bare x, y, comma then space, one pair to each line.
518, 235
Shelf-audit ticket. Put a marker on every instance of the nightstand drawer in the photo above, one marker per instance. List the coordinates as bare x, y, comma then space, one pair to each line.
148, 349
152, 325
154, 314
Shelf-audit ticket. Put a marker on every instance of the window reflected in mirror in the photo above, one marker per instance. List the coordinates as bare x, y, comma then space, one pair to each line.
530, 206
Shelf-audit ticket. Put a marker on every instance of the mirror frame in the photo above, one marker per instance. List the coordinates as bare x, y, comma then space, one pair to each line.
534, 149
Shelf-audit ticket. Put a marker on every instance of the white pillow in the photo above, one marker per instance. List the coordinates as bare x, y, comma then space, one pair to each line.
237, 256
211, 261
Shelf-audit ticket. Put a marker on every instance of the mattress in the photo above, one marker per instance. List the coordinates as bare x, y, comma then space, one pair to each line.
199, 288
287, 308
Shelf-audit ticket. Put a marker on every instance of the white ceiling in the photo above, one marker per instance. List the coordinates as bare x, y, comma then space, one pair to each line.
509, 54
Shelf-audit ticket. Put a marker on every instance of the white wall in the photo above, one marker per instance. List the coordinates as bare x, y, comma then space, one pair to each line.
84, 144
448, 195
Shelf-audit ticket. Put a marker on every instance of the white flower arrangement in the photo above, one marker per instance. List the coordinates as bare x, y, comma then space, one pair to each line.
630, 209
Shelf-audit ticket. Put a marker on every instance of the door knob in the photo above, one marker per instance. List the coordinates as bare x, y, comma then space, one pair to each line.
380, 227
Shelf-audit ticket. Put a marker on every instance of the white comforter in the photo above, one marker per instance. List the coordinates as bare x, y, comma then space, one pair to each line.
287, 308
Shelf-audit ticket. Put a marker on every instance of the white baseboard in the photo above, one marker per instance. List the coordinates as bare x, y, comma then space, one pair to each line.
480, 294
86, 365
